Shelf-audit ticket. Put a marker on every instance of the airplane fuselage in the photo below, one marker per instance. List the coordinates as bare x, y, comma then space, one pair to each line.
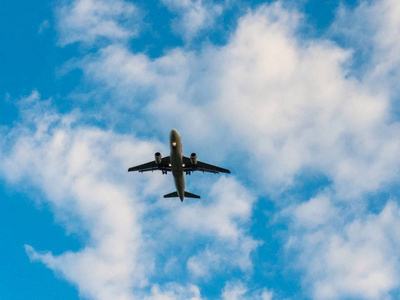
177, 163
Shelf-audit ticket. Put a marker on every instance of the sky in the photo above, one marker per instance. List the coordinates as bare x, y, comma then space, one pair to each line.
299, 99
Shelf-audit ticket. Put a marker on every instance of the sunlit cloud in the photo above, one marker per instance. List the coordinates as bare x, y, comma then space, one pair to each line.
273, 104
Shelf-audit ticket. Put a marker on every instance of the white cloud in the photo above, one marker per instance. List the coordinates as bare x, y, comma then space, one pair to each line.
315, 212
288, 102
274, 100
289, 105
296, 109
88, 21
219, 257
81, 172
220, 222
234, 291
175, 292
352, 256
373, 29
223, 217
238, 291
194, 16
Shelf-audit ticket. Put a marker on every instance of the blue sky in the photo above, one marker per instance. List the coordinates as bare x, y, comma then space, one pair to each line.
297, 98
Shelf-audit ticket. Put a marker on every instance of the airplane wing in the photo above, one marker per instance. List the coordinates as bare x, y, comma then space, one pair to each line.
153, 166
200, 166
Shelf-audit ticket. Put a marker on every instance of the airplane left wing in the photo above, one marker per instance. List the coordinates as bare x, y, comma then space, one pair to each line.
164, 165
200, 166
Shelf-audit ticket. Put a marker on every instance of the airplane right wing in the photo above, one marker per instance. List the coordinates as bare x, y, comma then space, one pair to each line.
201, 166
164, 166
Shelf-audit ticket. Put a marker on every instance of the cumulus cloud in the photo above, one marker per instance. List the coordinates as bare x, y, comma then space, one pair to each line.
194, 16
225, 217
220, 223
372, 28
317, 211
222, 217
288, 102
346, 257
80, 170
89, 21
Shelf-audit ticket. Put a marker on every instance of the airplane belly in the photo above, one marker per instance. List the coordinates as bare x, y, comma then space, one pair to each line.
174, 164
177, 171
180, 184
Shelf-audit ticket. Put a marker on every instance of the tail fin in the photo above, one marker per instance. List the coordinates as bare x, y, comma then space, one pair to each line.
187, 195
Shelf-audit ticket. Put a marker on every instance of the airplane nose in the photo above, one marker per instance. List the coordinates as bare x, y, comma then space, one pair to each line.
174, 135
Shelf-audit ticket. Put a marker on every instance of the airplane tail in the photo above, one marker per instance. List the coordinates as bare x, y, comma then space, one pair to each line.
187, 195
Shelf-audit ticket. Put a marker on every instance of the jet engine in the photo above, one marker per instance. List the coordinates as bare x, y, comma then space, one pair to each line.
158, 157
193, 158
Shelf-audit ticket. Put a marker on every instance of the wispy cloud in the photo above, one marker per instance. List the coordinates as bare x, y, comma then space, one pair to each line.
173, 291
239, 291
273, 102
291, 104
372, 28
194, 16
347, 255
267, 83
81, 171
89, 21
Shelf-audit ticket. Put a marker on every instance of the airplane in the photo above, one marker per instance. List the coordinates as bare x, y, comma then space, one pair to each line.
179, 165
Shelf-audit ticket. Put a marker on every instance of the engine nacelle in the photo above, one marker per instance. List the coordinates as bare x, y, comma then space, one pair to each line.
193, 158
158, 157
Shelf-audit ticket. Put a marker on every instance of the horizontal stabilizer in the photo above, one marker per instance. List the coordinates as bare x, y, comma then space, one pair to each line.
190, 195
171, 195
175, 195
